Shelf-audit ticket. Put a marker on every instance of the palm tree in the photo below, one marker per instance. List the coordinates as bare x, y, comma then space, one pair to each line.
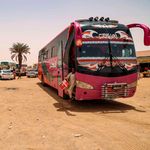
18, 52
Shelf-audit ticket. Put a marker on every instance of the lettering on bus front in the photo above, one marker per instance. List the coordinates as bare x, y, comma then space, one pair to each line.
117, 35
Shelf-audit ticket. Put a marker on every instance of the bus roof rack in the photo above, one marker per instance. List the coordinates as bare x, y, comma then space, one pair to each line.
97, 19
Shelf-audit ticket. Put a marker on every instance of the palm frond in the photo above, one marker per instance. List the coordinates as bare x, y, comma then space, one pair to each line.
16, 58
13, 56
24, 58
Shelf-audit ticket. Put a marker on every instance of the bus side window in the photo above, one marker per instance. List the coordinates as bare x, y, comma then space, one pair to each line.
48, 49
49, 53
45, 55
42, 57
53, 52
60, 53
39, 58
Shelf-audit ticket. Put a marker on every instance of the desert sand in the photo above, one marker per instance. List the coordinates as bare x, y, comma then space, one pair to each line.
33, 117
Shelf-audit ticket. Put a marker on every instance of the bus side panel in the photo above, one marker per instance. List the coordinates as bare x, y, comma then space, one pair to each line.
50, 68
47, 72
60, 91
52, 72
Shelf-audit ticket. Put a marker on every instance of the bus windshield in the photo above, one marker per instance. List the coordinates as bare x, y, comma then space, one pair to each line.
118, 49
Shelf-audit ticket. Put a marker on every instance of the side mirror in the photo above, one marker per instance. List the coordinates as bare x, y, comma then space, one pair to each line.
146, 30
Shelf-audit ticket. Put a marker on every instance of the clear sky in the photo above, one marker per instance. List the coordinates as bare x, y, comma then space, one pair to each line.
36, 22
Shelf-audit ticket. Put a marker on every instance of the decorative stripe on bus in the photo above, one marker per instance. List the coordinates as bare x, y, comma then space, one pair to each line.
106, 42
106, 39
102, 58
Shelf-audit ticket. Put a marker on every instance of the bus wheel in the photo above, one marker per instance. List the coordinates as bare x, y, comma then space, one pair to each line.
65, 96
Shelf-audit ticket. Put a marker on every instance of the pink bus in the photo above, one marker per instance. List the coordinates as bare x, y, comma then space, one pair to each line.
103, 55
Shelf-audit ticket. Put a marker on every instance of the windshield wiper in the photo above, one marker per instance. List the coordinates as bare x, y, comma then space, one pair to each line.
110, 57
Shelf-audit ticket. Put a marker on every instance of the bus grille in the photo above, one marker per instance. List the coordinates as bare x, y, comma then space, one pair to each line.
114, 90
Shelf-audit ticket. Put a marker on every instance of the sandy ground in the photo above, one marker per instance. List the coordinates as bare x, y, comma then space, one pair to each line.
33, 117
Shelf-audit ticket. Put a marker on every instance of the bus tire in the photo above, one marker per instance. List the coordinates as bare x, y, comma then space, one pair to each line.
65, 96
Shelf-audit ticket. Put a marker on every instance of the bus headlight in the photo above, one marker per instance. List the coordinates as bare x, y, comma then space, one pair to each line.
132, 85
84, 85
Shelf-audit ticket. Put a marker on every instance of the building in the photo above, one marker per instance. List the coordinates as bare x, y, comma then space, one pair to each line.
143, 58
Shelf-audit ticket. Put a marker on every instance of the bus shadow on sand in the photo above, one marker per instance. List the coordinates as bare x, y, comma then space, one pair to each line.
98, 106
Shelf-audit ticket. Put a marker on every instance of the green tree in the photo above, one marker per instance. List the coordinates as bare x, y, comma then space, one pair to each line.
19, 52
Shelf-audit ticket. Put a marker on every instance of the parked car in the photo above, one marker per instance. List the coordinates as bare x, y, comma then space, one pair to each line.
146, 73
6, 74
32, 73
36, 72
